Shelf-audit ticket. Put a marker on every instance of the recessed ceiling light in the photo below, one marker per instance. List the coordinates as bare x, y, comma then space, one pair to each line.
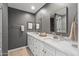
33, 7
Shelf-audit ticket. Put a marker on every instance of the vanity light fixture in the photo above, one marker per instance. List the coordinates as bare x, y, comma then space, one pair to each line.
33, 7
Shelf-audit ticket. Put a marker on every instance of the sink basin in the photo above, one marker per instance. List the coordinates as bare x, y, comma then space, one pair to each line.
50, 39
54, 38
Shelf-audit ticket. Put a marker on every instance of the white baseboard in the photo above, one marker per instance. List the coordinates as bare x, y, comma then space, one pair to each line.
17, 49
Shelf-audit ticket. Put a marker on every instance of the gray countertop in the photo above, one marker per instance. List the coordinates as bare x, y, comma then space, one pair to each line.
62, 45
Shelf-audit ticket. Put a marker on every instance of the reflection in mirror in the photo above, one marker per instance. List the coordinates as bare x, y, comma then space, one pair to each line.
37, 26
60, 22
30, 25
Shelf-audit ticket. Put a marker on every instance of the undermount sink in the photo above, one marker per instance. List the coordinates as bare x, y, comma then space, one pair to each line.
54, 38
50, 39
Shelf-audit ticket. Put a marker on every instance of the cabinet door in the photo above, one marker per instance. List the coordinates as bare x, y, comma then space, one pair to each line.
59, 53
34, 46
30, 42
48, 50
37, 47
40, 48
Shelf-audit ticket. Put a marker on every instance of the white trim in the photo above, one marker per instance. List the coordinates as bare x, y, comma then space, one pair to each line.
17, 49
78, 25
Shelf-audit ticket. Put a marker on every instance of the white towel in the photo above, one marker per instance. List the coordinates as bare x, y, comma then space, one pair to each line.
73, 32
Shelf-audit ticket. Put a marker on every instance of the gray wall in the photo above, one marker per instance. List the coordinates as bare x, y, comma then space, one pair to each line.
49, 9
4, 29
16, 19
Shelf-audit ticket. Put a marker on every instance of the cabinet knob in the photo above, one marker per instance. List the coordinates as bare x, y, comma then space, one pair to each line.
44, 51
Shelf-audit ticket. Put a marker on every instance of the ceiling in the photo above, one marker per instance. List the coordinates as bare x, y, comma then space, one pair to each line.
29, 7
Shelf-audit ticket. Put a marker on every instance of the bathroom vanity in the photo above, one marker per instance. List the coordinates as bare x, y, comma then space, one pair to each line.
50, 46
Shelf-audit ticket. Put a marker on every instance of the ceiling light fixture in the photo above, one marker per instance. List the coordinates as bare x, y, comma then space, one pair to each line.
33, 7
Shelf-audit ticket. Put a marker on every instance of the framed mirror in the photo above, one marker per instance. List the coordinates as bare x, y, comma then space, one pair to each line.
59, 21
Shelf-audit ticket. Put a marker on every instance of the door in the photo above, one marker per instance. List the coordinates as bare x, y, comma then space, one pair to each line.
52, 24
0, 30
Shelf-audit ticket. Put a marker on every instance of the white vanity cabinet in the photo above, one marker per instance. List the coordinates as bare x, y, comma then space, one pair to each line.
40, 48
45, 46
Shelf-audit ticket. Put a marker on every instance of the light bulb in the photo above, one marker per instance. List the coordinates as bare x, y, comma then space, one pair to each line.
33, 7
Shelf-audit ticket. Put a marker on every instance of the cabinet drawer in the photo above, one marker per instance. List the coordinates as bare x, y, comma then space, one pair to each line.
38, 48
49, 50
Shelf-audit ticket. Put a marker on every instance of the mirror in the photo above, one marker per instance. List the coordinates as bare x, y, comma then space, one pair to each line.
53, 18
58, 21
